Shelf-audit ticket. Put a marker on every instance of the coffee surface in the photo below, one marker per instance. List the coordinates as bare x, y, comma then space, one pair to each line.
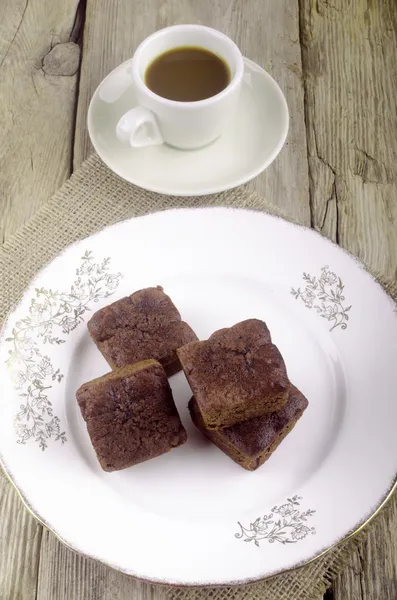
187, 74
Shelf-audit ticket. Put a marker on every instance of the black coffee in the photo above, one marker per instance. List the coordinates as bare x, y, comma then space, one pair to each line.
187, 74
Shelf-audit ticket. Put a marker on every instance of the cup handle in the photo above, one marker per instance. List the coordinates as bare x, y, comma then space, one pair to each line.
139, 128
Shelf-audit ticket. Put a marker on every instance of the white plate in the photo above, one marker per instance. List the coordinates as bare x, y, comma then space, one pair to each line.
256, 136
193, 516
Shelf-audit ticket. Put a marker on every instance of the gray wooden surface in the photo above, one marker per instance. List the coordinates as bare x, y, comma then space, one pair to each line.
336, 62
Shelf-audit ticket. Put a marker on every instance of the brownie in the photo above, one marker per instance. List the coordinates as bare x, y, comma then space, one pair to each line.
141, 326
236, 375
252, 442
131, 415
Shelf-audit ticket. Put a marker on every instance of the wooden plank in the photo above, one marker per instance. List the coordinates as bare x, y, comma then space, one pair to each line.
39, 61
20, 539
373, 574
266, 31
349, 56
349, 49
64, 575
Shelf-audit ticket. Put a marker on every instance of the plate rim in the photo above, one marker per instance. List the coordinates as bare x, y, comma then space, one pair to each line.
235, 584
392, 487
207, 191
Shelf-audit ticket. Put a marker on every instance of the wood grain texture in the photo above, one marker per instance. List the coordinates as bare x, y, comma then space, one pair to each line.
64, 575
266, 31
373, 574
39, 60
349, 50
349, 57
20, 539
38, 76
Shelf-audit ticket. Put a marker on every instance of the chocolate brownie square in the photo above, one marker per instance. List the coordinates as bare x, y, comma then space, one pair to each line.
252, 442
236, 375
131, 415
141, 326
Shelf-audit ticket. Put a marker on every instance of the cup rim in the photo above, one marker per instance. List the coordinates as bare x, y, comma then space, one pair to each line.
234, 82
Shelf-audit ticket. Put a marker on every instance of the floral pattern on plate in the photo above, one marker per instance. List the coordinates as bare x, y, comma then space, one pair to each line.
326, 295
285, 524
51, 314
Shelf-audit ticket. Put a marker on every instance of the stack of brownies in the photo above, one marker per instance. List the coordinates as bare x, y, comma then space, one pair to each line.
242, 398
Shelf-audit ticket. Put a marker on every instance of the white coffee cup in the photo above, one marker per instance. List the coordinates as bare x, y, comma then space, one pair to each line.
186, 125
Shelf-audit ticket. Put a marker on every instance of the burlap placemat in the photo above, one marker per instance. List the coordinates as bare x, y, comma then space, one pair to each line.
91, 199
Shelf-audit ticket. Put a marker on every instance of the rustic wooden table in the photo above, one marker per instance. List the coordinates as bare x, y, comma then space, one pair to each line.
336, 61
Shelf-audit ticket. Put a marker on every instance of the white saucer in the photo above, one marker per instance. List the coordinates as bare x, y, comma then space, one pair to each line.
257, 135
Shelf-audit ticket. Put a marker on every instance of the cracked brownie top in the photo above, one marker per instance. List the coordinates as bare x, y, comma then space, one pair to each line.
141, 326
131, 415
236, 375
